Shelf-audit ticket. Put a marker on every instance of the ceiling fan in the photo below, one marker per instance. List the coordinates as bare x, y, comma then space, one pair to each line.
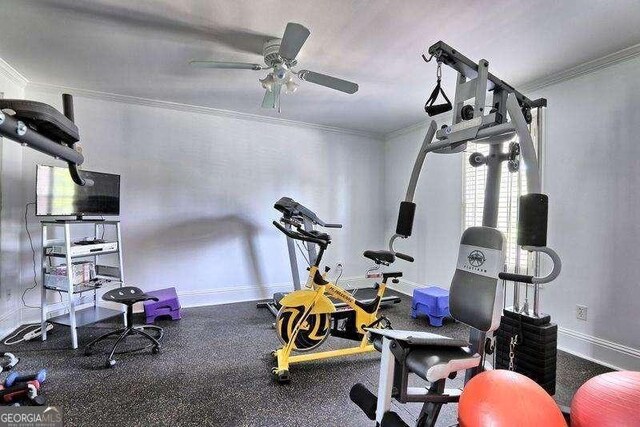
280, 57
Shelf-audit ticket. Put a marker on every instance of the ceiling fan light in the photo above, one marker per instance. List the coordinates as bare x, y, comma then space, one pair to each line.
291, 87
267, 82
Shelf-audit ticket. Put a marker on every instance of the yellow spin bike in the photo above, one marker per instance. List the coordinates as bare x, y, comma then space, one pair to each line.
308, 316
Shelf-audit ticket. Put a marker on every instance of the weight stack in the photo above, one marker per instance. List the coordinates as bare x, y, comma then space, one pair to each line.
537, 351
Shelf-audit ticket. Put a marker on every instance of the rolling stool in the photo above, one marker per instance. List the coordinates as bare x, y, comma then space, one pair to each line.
128, 295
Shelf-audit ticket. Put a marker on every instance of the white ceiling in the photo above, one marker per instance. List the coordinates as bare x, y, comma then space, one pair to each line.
141, 48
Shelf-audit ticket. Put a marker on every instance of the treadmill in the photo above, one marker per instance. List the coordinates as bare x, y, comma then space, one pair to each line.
295, 214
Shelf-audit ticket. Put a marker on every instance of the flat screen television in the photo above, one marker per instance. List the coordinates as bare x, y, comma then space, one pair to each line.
58, 195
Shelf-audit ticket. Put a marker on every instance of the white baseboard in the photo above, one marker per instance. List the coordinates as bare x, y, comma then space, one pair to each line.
598, 350
405, 286
205, 297
229, 295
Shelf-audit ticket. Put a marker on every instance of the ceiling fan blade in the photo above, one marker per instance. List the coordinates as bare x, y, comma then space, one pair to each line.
225, 65
272, 98
328, 81
294, 37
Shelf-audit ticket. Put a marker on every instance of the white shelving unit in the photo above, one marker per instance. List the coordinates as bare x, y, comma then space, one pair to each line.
78, 311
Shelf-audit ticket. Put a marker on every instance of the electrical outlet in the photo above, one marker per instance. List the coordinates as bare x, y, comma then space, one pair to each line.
581, 312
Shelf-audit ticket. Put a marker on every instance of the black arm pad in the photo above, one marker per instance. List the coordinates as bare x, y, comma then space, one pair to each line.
532, 220
405, 218
512, 277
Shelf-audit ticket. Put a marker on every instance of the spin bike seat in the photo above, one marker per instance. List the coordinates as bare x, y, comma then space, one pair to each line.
380, 257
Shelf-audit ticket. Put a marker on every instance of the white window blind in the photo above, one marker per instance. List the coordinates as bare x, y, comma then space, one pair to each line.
512, 185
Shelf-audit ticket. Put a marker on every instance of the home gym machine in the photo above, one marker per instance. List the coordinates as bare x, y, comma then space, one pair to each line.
296, 215
475, 295
43, 128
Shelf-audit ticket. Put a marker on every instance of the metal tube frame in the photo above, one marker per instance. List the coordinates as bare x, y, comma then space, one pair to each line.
17, 131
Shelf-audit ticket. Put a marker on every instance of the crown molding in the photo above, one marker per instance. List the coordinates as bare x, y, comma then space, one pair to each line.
176, 106
12, 74
551, 79
445, 117
582, 69
405, 130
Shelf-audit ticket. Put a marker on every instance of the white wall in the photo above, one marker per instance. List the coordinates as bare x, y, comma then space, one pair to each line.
437, 225
198, 191
10, 219
592, 176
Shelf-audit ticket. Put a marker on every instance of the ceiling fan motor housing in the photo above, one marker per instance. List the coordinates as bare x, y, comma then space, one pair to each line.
270, 51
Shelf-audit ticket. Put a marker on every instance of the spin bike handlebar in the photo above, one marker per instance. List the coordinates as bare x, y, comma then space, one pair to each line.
332, 225
299, 235
405, 257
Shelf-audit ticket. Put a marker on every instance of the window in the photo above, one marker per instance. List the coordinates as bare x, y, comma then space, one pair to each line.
512, 185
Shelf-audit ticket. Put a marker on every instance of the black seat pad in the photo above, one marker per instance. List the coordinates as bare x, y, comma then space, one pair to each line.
387, 257
420, 358
127, 295
45, 119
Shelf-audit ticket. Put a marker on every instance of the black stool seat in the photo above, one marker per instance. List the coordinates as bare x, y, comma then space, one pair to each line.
128, 295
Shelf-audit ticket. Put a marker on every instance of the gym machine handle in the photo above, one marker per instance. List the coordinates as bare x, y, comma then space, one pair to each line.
299, 236
522, 278
332, 225
404, 256
512, 277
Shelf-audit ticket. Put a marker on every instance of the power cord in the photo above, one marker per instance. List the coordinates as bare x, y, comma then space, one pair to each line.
340, 269
28, 336
33, 257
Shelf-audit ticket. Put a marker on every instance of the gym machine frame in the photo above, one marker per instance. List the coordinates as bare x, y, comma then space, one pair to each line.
470, 124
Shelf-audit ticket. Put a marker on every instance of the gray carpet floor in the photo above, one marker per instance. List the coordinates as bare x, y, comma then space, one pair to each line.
214, 370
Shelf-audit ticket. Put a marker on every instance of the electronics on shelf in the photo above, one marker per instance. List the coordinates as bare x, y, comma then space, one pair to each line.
57, 195
78, 250
81, 271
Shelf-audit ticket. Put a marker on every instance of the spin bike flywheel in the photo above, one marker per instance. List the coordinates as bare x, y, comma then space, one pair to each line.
312, 332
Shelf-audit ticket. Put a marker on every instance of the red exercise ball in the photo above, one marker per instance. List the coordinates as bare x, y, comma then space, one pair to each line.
610, 399
503, 398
